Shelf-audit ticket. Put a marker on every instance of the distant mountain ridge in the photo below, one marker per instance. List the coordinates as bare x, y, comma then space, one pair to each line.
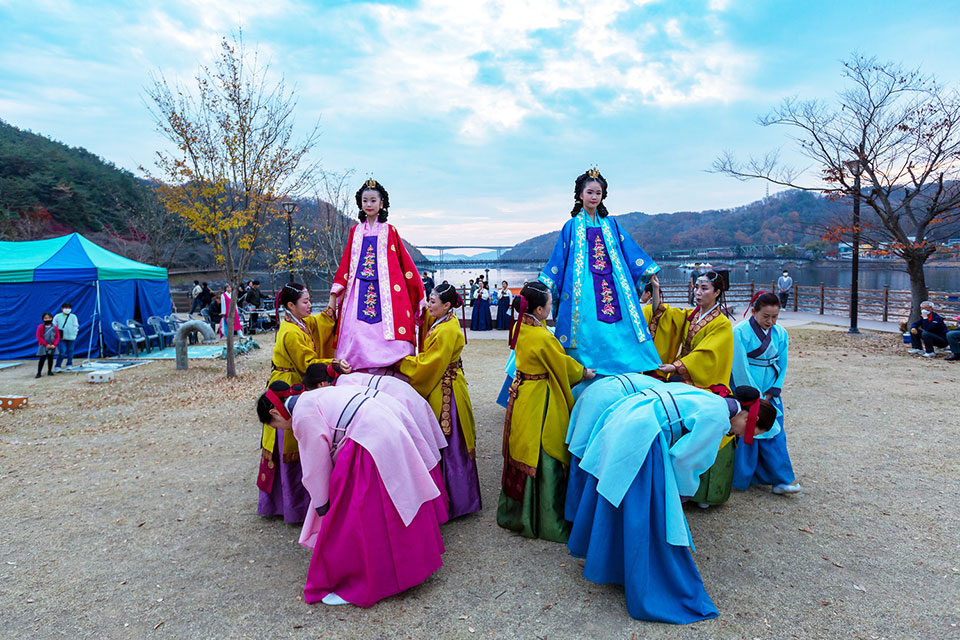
787, 217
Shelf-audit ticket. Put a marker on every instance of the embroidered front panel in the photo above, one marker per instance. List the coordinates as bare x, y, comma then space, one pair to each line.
625, 284
368, 307
368, 263
598, 252
604, 289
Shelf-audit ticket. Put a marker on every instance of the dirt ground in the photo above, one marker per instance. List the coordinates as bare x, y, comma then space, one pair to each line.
128, 510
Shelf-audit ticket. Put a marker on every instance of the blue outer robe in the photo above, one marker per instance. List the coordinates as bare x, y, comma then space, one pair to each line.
648, 450
760, 360
619, 347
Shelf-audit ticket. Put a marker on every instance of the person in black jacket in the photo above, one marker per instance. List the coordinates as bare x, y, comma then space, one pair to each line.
930, 330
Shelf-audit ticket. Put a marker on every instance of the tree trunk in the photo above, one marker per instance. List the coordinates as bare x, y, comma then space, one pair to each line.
918, 283
228, 325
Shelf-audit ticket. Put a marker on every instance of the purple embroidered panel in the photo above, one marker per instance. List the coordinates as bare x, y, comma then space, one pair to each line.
368, 305
597, 252
367, 268
604, 288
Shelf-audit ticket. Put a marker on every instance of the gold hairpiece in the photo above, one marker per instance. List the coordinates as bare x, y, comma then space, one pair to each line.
593, 173
371, 183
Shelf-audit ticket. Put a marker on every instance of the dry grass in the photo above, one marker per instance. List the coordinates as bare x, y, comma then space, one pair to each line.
129, 510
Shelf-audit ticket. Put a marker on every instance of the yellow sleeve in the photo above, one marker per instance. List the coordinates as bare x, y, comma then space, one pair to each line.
711, 358
565, 369
668, 326
425, 370
322, 328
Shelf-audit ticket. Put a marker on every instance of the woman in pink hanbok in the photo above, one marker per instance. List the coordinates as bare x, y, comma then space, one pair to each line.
377, 294
225, 309
379, 529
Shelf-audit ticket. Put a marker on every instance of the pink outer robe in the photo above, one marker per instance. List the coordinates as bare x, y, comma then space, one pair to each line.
380, 533
383, 428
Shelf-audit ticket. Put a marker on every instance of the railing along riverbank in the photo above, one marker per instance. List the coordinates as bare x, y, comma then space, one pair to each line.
884, 304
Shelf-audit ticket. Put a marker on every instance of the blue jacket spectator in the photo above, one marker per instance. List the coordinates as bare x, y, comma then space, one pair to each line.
930, 330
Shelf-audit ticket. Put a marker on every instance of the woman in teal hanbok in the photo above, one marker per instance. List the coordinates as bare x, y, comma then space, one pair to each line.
593, 274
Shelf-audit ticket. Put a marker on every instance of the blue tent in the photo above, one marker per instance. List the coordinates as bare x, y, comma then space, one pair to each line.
39, 276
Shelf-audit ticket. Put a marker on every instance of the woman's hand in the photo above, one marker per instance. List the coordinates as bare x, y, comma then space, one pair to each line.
589, 374
768, 397
655, 286
913, 331
331, 308
667, 368
345, 367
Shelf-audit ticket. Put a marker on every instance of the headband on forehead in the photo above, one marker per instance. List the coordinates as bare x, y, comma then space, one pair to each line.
332, 372
276, 398
752, 404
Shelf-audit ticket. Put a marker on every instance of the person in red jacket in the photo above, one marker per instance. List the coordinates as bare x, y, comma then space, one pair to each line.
377, 294
48, 337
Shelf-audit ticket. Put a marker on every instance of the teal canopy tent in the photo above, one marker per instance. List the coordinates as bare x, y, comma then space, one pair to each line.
38, 276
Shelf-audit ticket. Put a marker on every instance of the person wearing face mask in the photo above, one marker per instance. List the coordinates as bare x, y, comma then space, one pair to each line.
69, 327
929, 332
784, 287
48, 337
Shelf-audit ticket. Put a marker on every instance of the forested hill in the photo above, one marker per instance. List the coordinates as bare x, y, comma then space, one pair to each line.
782, 218
64, 188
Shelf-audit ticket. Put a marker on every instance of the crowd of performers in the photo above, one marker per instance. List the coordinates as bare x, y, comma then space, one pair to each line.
624, 411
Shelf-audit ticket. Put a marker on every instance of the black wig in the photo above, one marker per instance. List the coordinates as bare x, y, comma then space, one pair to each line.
384, 201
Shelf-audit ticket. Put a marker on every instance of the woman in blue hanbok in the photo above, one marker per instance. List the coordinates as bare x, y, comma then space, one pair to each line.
480, 316
503, 306
593, 273
760, 360
646, 454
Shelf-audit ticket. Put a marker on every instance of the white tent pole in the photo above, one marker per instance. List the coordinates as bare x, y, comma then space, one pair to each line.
95, 326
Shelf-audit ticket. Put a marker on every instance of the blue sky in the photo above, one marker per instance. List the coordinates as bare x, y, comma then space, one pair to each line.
477, 116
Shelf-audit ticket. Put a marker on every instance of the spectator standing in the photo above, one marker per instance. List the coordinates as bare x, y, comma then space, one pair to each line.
929, 331
205, 296
784, 287
68, 326
48, 337
254, 300
428, 283
195, 304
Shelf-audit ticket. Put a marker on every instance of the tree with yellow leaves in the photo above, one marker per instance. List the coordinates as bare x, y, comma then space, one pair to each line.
234, 156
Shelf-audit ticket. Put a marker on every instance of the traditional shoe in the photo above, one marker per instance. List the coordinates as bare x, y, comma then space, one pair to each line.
953, 358
930, 354
915, 351
333, 599
39, 375
703, 505
782, 489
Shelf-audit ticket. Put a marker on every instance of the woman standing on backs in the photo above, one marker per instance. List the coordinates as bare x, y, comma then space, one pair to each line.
437, 374
534, 482
302, 340
377, 295
760, 360
593, 274
503, 307
697, 345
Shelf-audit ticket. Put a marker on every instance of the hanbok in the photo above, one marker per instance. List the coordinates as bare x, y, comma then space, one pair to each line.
760, 361
593, 274
381, 298
648, 451
224, 309
535, 456
503, 309
701, 348
379, 532
279, 477
480, 316
437, 375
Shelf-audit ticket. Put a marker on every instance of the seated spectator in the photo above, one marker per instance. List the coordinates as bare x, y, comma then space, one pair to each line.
930, 330
953, 339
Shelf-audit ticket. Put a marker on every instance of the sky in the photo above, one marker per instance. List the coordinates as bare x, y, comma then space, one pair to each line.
477, 116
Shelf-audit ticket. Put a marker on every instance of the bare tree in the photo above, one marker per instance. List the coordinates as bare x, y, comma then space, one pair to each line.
234, 154
901, 130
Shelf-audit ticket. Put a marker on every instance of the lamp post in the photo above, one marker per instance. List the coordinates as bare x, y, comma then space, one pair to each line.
289, 207
855, 167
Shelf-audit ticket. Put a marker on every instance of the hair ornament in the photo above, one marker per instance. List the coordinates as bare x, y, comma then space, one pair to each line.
593, 173
370, 183
752, 300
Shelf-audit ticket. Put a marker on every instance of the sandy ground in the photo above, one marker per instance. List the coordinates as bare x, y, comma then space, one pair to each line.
129, 511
